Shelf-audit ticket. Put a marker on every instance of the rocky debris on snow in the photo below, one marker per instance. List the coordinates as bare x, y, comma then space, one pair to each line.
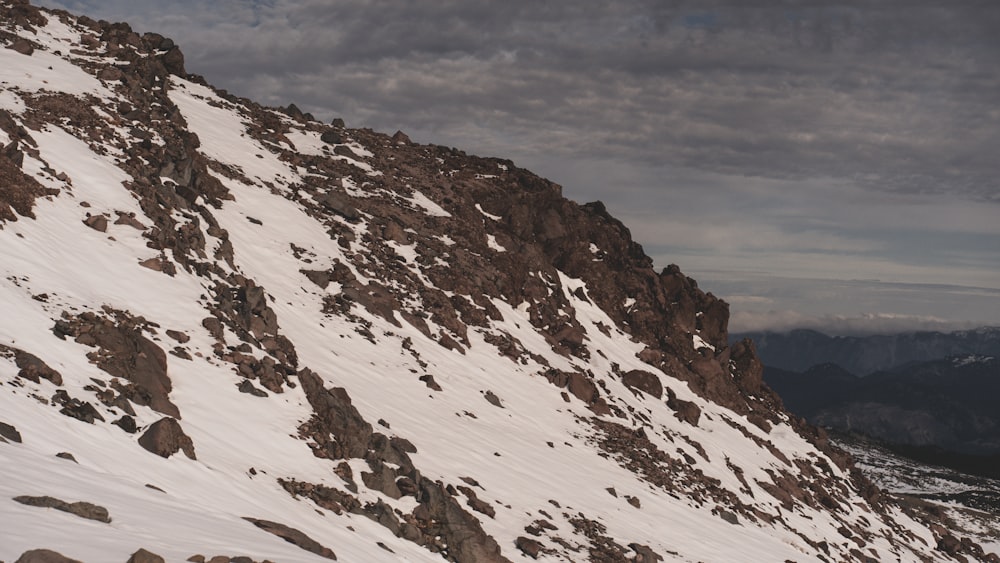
123, 351
338, 431
293, 536
246, 386
31, 367
44, 556
76, 408
82, 509
165, 437
20, 190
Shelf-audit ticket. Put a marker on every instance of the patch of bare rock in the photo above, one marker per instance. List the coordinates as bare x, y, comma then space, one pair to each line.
293, 536
165, 437
44, 556
82, 509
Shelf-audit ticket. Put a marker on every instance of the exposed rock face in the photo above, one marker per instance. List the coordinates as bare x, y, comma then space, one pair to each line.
335, 417
291, 535
8, 432
144, 556
82, 509
123, 351
165, 437
643, 381
44, 556
31, 367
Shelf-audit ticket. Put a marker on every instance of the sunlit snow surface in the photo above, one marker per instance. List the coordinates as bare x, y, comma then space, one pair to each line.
532, 451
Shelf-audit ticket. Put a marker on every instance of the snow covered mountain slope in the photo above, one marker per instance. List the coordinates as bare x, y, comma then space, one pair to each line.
233, 331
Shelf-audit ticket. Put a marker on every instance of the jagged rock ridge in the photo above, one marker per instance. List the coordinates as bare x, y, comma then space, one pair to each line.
366, 348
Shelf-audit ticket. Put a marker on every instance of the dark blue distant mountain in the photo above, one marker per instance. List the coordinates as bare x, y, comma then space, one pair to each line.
950, 404
801, 349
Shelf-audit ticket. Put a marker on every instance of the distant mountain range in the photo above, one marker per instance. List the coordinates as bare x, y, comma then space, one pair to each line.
950, 403
930, 395
802, 349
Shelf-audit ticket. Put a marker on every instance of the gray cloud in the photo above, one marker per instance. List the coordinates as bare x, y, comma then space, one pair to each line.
806, 139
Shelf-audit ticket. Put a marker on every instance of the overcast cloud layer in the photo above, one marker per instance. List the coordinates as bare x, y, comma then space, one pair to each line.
771, 149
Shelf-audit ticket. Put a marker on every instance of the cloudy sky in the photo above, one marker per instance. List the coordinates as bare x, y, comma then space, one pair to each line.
821, 164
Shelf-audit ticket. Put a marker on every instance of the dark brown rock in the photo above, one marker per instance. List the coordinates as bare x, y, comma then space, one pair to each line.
528, 546
341, 205
9, 432
173, 61
334, 415
165, 437
643, 381
582, 387
32, 368
643, 554
492, 399
44, 556
124, 352
462, 532
97, 222
293, 536
178, 336
110, 74
126, 423
143, 556
246, 386
332, 137
22, 45
686, 411
82, 509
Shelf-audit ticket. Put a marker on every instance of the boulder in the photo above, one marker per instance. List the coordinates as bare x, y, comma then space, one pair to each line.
97, 222
143, 556
9, 432
44, 556
293, 536
341, 205
528, 546
685, 411
22, 45
33, 368
643, 381
82, 509
582, 387
165, 438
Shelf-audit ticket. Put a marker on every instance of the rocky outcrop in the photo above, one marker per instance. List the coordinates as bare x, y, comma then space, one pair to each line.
31, 367
123, 351
44, 556
8, 432
20, 190
293, 536
82, 509
144, 556
165, 437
